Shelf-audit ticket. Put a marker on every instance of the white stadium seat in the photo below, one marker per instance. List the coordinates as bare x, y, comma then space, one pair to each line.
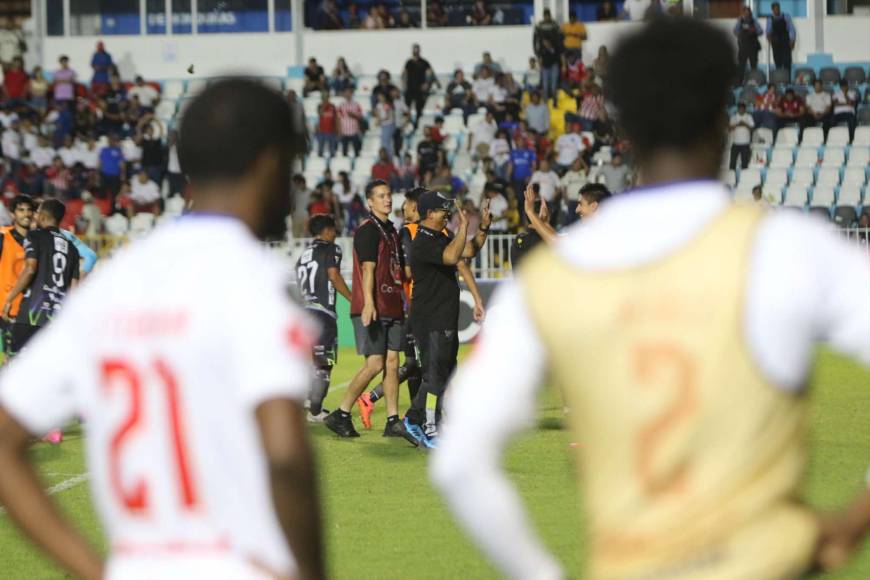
363, 165
859, 156
828, 176
862, 136
856, 175
117, 225
781, 158
813, 136
823, 196
838, 136
730, 178
777, 177
787, 136
315, 165
141, 224
758, 157
795, 195
807, 157
850, 194
801, 176
173, 89
337, 164
762, 136
165, 109
773, 193
749, 178
834, 157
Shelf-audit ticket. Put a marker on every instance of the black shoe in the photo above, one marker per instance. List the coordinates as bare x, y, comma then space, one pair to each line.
397, 429
341, 426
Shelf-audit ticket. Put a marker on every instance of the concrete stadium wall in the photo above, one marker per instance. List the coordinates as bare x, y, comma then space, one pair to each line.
165, 57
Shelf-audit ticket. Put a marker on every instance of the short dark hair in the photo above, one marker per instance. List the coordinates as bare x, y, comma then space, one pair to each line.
320, 222
775, 4
228, 127
595, 192
414, 194
53, 207
685, 67
371, 185
22, 199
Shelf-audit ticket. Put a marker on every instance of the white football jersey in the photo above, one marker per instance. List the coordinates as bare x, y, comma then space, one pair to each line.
165, 353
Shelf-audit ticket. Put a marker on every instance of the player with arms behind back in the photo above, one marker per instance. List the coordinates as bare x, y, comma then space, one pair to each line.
318, 273
685, 367
195, 428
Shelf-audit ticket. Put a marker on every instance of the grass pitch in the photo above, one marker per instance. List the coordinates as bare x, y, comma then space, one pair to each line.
383, 520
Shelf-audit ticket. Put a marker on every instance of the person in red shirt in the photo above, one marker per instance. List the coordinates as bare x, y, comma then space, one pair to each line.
384, 168
575, 72
437, 134
15, 81
326, 126
791, 110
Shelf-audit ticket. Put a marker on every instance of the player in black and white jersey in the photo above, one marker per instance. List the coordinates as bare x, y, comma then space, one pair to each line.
51, 269
318, 273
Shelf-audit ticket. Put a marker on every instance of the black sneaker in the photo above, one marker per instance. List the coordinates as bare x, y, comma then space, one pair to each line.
397, 429
341, 426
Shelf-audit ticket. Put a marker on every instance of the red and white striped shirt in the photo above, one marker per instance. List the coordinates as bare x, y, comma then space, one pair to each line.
592, 107
348, 126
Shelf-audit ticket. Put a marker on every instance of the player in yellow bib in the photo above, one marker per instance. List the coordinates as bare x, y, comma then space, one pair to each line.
680, 328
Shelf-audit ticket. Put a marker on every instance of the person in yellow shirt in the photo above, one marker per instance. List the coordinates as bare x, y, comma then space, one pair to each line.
574, 33
684, 354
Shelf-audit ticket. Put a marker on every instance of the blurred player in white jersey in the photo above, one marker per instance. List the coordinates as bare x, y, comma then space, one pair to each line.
683, 358
190, 375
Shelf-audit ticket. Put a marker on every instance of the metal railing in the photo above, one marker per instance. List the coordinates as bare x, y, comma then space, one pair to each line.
493, 262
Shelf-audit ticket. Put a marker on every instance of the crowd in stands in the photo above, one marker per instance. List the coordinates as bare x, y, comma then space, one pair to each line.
90, 140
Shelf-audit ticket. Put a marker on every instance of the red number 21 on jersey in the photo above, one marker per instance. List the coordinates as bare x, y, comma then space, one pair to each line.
119, 375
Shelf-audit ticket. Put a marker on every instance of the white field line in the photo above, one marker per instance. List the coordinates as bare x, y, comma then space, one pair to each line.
62, 486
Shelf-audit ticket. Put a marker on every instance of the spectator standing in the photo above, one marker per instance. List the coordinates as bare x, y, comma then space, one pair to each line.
407, 173
15, 83
384, 169
416, 76
91, 219
384, 85
385, 115
403, 119
791, 109
606, 12
547, 181
522, 163
173, 166
537, 115
149, 136
482, 135
845, 102
741, 125
532, 76
427, 152
568, 148
349, 130
112, 168
781, 36
342, 78
819, 106
635, 9
500, 152
327, 116
546, 29
38, 91
102, 65
12, 43
315, 78
574, 33
551, 68
64, 83
487, 62
616, 174
571, 184
766, 106
747, 29
148, 96
329, 18
599, 65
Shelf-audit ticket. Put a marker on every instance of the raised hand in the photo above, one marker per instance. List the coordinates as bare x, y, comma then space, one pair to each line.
485, 215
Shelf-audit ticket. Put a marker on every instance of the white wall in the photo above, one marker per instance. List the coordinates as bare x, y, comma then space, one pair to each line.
164, 57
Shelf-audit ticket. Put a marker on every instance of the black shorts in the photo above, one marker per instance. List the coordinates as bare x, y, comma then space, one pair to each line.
409, 345
20, 336
325, 350
6, 336
438, 351
378, 337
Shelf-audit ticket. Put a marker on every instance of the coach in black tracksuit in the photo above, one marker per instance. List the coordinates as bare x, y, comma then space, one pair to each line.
435, 302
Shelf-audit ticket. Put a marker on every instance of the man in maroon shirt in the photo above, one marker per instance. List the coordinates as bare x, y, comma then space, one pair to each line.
791, 110
326, 126
384, 169
15, 82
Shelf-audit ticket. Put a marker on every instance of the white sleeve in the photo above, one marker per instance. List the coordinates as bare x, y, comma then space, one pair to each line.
38, 386
272, 345
491, 398
806, 285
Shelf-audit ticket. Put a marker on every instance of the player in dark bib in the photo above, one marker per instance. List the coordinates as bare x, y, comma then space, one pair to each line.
318, 273
51, 270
